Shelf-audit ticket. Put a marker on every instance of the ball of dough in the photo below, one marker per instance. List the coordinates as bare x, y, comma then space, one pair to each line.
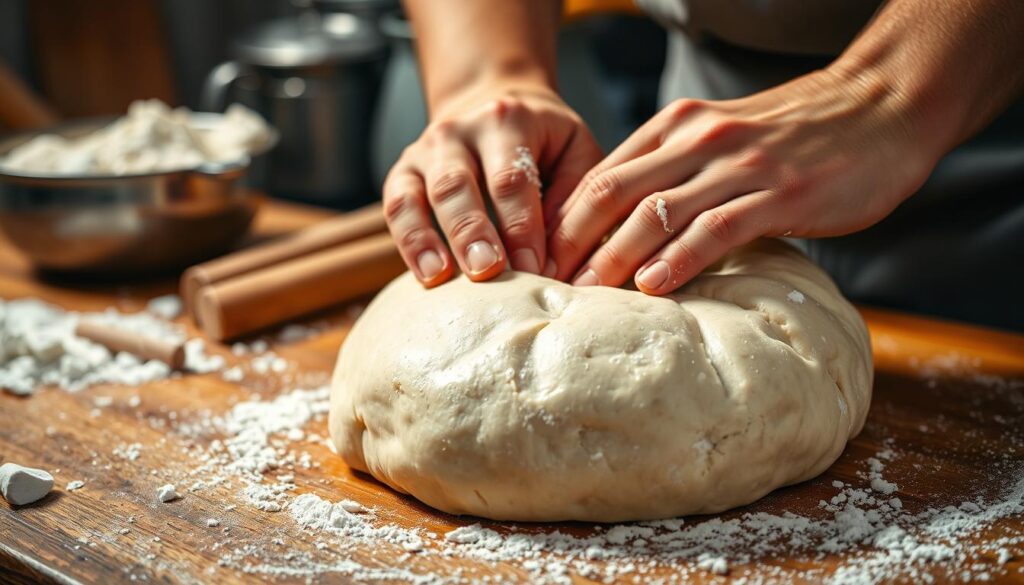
524, 398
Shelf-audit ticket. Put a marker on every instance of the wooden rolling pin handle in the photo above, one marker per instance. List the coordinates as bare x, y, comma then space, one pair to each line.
352, 226
258, 299
148, 348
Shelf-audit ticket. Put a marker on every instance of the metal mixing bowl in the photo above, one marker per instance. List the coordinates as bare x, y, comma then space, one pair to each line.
126, 224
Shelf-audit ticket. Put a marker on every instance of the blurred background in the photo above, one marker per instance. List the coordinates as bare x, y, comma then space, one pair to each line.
337, 78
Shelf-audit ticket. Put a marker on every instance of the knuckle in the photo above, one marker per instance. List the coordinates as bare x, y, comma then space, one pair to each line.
503, 106
603, 192
719, 130
754, 159
610, 256
466, 225
685, 254
718, 225
518, 227
648, 218
414, 238
408, 153
397, 203
681, 108
507, 183
565, 243
442, 130
448, 184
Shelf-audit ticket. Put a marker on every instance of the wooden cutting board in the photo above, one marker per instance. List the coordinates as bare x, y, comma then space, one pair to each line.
950, 397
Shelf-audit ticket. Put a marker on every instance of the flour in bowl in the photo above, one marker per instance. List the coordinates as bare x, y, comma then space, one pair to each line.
151, 138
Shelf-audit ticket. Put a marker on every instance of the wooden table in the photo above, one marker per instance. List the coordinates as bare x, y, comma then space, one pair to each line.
951, 396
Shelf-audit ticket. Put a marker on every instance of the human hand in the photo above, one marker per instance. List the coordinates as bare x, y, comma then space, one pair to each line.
474, 149
824, 155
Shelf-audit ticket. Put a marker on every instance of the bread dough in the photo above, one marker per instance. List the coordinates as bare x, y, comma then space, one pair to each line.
525, 398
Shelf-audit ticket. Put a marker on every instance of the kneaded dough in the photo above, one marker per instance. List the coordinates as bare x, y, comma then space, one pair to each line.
525, 398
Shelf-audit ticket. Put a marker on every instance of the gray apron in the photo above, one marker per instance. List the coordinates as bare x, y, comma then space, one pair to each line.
956, 248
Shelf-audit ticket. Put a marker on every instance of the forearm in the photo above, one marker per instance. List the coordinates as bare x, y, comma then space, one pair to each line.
469, 42
953, 66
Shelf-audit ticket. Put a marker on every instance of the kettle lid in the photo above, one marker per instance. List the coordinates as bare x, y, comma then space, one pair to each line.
309, 39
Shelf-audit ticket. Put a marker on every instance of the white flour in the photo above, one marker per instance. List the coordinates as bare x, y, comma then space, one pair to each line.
253, 449
38, 347
526, 164
662, 210
150, 138
866, 523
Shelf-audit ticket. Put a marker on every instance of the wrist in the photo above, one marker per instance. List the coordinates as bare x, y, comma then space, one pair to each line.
918, 107
488, 85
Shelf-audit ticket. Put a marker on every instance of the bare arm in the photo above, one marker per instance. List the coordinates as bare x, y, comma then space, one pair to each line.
464, 43
956, 64
827, 154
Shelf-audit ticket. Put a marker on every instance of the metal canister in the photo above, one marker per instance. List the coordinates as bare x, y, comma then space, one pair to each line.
315, 78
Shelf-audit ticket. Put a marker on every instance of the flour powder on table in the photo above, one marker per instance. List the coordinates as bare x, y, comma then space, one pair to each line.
525, 398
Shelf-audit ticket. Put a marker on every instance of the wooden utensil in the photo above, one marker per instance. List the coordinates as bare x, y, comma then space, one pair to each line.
145, 347
257, 299
326, 234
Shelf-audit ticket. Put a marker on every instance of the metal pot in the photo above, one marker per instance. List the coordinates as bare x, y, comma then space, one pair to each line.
315, 78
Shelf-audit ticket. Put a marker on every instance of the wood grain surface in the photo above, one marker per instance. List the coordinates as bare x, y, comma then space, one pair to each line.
951, 397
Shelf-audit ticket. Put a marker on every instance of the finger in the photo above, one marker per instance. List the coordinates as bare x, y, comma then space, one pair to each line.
408, 217
659, 218
513, 182
646, 139
606, 199
711, 234
452, 189
580, 155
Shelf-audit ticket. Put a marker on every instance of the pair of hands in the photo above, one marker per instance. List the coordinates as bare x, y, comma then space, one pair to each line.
823, 155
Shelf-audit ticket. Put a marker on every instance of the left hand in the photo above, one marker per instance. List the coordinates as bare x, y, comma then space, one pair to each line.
824, 155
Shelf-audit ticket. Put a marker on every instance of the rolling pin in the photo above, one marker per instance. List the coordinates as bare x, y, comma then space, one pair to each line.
254, 300
347, 228
147, 348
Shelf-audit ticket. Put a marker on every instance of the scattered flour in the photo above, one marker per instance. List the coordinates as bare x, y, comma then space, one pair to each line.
76, 484
866, 524
796, 296
167, 307
128, 452
38, 347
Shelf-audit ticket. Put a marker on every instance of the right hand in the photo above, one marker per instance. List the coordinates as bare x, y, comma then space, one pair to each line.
473, 142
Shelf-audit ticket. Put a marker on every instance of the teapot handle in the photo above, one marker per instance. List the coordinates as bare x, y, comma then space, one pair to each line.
218, 82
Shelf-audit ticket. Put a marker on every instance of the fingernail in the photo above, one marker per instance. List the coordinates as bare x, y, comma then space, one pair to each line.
588, 278
654, 275
429, 264
550, 269
525, 259
480, 256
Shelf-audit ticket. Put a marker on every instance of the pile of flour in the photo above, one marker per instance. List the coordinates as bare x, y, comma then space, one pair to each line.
150, 138
38, 347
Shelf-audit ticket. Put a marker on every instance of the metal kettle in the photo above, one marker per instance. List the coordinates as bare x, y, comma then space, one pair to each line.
315, 78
